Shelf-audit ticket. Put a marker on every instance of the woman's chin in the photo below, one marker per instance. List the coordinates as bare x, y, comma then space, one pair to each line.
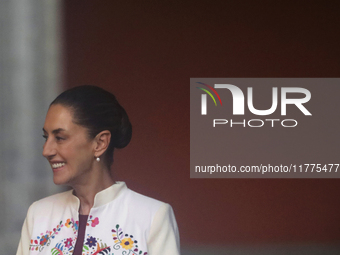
59, 180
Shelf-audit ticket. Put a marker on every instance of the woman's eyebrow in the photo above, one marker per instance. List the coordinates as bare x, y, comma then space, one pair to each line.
55, 131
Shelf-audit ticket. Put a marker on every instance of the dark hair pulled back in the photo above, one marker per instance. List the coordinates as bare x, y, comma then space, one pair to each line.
97, 109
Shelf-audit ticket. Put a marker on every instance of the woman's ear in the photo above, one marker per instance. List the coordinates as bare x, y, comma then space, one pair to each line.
102, 141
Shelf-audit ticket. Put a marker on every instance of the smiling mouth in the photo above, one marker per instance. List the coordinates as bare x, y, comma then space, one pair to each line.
57, 165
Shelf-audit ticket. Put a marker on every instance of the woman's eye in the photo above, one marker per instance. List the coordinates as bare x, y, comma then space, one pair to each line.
45, 137
59, 138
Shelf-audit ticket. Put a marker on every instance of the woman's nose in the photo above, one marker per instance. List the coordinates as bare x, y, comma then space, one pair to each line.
48, 149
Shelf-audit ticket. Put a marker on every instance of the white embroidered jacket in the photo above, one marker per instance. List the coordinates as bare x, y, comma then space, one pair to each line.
121, 221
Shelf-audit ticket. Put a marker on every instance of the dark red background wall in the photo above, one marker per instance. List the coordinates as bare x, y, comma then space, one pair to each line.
146, 51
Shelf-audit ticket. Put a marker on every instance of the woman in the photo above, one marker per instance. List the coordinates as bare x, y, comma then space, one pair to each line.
99, 216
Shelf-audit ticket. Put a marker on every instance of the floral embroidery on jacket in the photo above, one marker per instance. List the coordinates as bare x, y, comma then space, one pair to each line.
67, 245
64, 247
125, 241
122, 242
92, 246
44, 240
94, 222
95, 246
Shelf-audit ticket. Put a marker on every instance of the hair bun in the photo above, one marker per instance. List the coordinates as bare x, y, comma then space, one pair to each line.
123, 133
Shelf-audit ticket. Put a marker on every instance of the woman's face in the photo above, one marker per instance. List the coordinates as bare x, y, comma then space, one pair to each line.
67, 147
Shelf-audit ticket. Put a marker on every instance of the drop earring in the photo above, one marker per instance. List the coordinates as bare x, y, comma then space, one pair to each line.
98, 159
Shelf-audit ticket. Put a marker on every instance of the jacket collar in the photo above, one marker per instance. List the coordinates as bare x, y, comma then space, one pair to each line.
105, 196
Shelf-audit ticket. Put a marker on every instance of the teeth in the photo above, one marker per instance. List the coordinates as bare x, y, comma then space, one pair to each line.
57, 165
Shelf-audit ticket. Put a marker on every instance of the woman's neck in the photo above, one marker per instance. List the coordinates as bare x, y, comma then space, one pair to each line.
87, 190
